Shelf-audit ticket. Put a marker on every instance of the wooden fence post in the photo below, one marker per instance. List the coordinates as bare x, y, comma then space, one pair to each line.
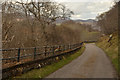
64, 47
69, 46
34, 52
59, 47
45, 50
18, 59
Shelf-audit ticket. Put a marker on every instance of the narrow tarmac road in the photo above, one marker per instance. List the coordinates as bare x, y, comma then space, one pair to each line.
93, 63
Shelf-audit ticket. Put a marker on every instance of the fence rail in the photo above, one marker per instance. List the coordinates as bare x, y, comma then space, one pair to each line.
20, 55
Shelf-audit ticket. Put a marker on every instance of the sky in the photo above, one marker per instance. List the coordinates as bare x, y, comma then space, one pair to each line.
85, 9
88, 9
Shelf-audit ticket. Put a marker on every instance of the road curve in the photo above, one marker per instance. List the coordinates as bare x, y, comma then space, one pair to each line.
93, 63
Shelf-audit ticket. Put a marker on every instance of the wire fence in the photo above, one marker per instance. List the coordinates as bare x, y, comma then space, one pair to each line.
14, 56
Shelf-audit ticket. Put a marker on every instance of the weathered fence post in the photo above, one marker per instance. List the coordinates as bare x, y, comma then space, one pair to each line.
45, 50
69, 46
34, 52
18, 59
64, 48
59, 47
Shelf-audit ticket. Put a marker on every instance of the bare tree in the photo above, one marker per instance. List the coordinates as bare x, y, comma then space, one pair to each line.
108, 21
46, 13
33, 14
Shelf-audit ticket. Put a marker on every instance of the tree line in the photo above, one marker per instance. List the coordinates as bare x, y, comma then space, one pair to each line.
108, 21
30, 24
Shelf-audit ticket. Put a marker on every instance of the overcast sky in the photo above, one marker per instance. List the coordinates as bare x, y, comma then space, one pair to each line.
88, 10
85, 9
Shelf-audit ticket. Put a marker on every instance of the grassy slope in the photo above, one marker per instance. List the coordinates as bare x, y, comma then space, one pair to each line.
89, 35
45, 71
111, 51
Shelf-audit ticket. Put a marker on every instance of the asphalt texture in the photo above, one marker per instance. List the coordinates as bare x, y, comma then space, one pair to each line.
93, 63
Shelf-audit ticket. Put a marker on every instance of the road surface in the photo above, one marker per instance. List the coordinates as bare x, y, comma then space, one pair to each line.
93, 63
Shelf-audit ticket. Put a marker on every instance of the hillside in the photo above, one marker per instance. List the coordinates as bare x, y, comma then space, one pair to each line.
111, 48
91, 22
88, 21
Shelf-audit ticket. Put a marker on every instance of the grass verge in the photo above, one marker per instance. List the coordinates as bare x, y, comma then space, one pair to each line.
110, 49
45, 71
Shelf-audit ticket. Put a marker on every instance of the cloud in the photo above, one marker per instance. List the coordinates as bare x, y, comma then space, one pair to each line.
76, 16
88, 10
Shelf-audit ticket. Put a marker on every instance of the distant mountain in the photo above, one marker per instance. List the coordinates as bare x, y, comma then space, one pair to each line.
85, 21
78, 21
59, 21
91, 22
